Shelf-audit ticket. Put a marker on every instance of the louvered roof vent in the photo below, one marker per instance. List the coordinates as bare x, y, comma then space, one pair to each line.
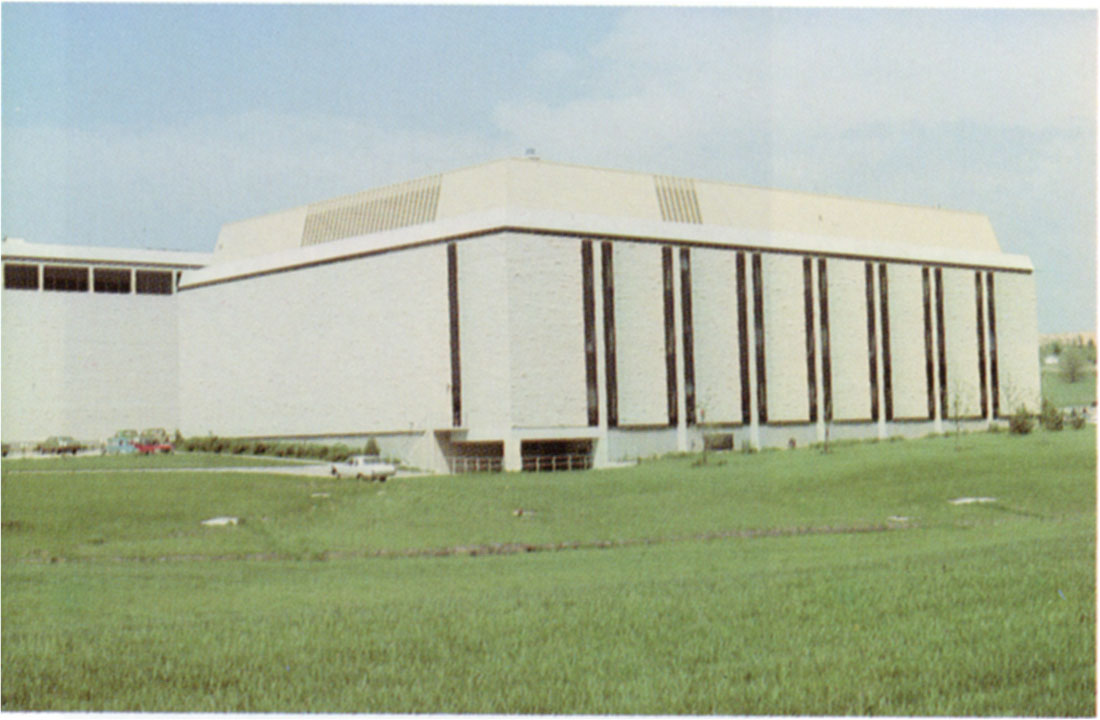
411, 203
677, 199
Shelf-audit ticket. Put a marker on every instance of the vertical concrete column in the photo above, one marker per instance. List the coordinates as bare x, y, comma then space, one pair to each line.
41, 277
133, 281
513, 457
678, 330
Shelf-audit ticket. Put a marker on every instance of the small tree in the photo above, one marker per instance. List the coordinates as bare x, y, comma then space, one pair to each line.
371, 447
1050, 417
1072, 364
1021, 422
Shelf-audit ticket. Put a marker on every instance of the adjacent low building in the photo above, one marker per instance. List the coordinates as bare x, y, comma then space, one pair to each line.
525, 313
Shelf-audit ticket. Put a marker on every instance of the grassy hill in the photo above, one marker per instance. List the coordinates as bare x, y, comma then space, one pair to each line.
785, 582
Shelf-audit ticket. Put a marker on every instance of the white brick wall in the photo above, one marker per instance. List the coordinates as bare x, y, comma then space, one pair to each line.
640, 334
848, 340
87, 364
347, 347
1017, 340
485, 333
717, 354
785, 346
546, 330
907, 356
961, 339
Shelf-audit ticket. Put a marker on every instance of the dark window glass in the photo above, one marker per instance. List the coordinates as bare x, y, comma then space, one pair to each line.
743, 340
884, 325
929, 365
154, 282
689, 335
981, 344
826, 352
941, 343
872, 341
65, 279
811, 350
758, 326
993, 379
588, 300
20, 277
607, 272
670, 337
456, 365
106, 280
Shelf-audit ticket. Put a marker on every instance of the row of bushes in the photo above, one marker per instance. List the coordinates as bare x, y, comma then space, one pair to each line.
311, 451
1049, 418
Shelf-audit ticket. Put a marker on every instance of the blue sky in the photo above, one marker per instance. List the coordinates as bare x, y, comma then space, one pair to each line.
138, 125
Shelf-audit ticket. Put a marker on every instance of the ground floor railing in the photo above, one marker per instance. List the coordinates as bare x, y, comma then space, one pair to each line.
552, 463
460, 464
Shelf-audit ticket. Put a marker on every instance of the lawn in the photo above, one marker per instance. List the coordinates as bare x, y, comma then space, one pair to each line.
1065, 394
774, 583
142, 462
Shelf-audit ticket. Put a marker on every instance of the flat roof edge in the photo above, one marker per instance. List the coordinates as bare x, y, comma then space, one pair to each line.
17, 249
594, 226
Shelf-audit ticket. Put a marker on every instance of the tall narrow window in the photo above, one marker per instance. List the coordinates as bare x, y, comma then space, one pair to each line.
456, 366
940, 344
981, 344
811, 354
589, 304
65, 279
758, 327
20, 277
689, 335
826, 350
743, 340
607, 270
872, 340
670, 335
993, 379
929, 366
884, 325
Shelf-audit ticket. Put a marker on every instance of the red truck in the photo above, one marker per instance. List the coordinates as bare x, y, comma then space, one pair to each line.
153, 441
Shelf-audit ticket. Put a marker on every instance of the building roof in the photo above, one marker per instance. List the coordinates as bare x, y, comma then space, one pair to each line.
20, 249
570, 191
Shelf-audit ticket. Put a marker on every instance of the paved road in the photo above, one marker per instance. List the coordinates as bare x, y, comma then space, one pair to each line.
323, 470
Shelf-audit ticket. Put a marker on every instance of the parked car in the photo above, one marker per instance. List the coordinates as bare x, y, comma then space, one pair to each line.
364, 467
153, 440
119, 445
59, 445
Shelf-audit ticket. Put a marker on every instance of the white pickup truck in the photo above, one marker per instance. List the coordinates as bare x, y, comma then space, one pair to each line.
364, 467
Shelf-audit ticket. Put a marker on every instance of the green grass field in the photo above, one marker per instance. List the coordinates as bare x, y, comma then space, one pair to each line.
774, 583
1064, 394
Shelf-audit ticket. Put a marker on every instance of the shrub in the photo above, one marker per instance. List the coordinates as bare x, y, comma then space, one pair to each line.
371, 448
718, 441
1021, 423
1050, 417
1077, 420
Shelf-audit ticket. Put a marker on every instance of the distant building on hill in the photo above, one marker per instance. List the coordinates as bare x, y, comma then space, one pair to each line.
530, 314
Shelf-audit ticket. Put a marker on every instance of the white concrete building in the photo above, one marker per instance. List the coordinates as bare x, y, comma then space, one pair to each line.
522, 310
89, 342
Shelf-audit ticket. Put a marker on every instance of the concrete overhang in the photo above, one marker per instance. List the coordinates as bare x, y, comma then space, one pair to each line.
16, 249
526, 221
